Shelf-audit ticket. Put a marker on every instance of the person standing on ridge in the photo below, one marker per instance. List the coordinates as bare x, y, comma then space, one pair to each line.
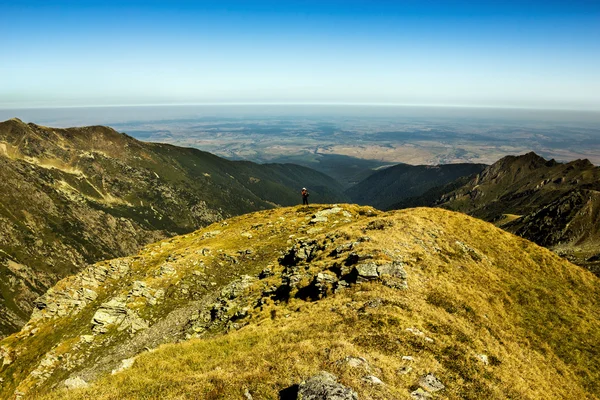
304, 196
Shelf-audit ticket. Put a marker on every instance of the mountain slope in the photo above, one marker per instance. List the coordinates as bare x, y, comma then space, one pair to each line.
423, 300
550, 203
390, 185
76, 196
569, 225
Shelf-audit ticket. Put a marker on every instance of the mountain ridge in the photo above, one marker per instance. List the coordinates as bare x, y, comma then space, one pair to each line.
74, 196
272, 297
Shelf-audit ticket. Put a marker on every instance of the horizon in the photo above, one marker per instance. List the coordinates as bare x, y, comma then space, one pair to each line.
534, 55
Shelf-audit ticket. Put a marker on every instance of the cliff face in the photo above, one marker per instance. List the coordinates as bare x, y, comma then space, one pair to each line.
71, 197
406, 304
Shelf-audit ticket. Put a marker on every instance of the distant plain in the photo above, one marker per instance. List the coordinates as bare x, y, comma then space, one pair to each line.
361, 137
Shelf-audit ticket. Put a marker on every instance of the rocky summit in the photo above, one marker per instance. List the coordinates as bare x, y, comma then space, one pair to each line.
321, 302
72, 197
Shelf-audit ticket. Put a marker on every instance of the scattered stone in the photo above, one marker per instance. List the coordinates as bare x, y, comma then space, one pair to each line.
317, 220
404, 370
420, 394
483, 358
247, 395
75, 383
366, 272
373, 380
415, 331
125, 364
328, 211
247, 235
431, 383
324, 386
355, 362
408, 358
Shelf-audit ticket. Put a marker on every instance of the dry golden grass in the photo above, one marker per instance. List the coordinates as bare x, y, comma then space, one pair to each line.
473, 289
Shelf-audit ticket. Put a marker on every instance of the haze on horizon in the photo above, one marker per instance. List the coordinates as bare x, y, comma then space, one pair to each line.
536, 54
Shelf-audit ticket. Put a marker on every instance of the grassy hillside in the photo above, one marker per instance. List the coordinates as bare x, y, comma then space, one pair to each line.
255, 305
75, 196
388, 186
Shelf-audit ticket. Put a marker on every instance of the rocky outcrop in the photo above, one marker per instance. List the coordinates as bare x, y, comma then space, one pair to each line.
324, 386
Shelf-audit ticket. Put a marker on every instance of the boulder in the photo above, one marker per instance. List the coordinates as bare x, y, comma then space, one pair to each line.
431, 383
324, 386
366, 272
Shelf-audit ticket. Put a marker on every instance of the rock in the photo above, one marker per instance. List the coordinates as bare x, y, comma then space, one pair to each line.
317, 220
324, 282
431, 383
366, 272
394, 269
75, 383
324, 386
116, 313
247, 395
113, 312
415, 331
139, 289
246, 235
404, 370
236, 288
265, 273
420, 394
6, 355
483, 358
303, 251
125, 364
408, 358
373, 380
332, 211
355, 362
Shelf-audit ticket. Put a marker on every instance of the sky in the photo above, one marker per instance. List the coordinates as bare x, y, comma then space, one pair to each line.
521, 54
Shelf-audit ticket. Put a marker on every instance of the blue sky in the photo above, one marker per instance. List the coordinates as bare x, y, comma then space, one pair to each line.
539, 54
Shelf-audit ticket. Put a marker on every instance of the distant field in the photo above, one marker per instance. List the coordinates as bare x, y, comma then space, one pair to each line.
309, 135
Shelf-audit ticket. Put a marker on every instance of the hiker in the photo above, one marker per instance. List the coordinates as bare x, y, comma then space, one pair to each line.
304, 196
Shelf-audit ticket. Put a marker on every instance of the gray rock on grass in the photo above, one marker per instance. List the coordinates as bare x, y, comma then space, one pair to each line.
324, 386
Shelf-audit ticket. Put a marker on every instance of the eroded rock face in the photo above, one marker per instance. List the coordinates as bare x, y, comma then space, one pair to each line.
324, 386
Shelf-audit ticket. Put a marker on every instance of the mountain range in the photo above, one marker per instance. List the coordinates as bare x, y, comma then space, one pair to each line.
71, 197
144, 270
